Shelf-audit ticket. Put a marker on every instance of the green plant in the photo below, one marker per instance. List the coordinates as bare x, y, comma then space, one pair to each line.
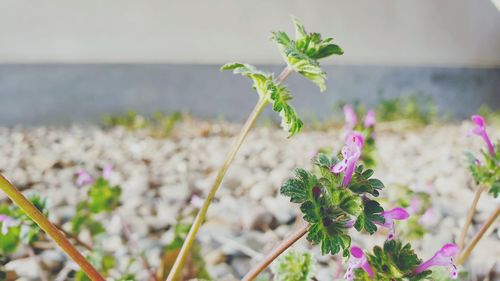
416, 108
293, 266
159, 125
301, 56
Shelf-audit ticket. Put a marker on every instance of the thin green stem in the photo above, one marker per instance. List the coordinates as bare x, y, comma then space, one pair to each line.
276, 252
200, 217
470, 215
30, 210
468, 250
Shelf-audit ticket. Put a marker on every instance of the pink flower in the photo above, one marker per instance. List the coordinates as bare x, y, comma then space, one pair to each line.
83, 178
369, 119
415, 205
480, 130
358, 260
444, 257
107, 171
355, 137
429, 218
351, 153
7, 222
350, 117
390, 216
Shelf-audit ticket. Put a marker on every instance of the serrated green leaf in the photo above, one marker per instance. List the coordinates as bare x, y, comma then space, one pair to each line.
371, 214
279, 97
260, 78
302, 53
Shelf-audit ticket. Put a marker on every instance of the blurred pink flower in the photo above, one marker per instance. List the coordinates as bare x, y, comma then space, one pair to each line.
83, 178
7, 222
350, 117
429, 218
443, 257
480, 130
358, 260
390, 216
369, 119
415, 205
107, 171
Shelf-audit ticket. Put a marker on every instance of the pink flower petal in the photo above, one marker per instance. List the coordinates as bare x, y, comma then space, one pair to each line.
350, 116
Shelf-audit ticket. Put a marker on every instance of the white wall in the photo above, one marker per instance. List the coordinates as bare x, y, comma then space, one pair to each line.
415, 32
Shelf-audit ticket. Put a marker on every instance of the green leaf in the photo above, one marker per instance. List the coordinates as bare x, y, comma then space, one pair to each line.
103, 197
272, 92
280, 96
260, 78
394, 261
299, 189
10, 241
302, 53
371, 213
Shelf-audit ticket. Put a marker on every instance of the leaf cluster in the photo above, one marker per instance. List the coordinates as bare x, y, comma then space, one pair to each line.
272, 92
293, 266
160, 125
303, 53
102, 197
487, 173
331, 208
393, 261
26, 231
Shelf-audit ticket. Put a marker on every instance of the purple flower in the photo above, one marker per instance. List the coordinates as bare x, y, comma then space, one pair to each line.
351, 153
107, 171
369, 119
390, 216
480, 130
350, 117
7, 222
429, 218
444, 257
83, 178
358, 260
415, 205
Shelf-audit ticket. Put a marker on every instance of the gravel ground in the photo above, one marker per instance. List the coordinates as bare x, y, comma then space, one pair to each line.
160, 177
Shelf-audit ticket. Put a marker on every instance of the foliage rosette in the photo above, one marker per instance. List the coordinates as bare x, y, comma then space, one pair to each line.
393, 261
487, 173
332, 209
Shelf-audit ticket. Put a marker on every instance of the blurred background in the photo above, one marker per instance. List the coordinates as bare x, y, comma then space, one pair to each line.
77, 60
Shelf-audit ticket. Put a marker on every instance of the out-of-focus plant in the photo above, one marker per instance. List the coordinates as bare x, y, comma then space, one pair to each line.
17, 227
301, 55
419, 206
486, 174
31, 209
293, 266
493, 116
417, 108
159, 125
194, 266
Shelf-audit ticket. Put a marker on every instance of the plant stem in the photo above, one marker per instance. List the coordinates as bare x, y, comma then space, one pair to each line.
285, 244
74, 237
468, 250
261, 104
30, 210
470, 215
